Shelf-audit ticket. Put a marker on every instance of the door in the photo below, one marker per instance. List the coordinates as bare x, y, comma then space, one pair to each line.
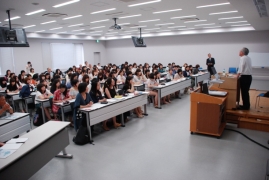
97, 58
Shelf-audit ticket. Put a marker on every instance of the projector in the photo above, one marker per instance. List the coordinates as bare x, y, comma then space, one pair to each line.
11, 35
115, 26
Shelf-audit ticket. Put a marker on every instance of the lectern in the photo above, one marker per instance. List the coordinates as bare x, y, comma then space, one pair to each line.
207, 114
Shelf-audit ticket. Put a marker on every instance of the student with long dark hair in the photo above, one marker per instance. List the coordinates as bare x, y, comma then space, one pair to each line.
151, 82
110, 92
74, 89
55, 86
41, 94
7, 76
22, 76
3, 83
129, 87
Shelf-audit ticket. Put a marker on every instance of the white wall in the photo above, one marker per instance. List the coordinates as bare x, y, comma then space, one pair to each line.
40, 56
192, 49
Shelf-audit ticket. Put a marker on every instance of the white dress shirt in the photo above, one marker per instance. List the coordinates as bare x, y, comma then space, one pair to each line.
245, 66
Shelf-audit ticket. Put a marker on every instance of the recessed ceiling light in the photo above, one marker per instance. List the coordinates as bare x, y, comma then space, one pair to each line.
34, 12
97, 27
213, 27
194, 21
28, 26
112, 33
95, 31
16, 17
149, 20
163, 31
112, 9
211, 5
40, 31
75, 25
181, 17
100, 21
123, 24
158, 12
227, 12
48, 22
149, 2
131, 31
241, 25
186, 29
56, 28
72, 17
79, 30
129, 16
125, 34
164, 24
176, 26
204, 24
151, 29
236, 22
138, 26
66, 3
61, 32
239, 17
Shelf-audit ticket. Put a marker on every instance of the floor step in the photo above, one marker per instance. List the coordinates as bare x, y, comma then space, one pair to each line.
254, 124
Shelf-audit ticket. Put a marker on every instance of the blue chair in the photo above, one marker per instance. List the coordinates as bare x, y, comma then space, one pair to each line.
261, 95
232, 70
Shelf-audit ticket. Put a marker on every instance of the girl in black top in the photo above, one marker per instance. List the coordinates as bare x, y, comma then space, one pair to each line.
3, 83
95, 92
110, 92
18, 83
129, 87
8, 72
55, 86
12, 87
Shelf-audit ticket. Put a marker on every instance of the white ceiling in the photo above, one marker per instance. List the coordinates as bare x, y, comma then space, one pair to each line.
245, 8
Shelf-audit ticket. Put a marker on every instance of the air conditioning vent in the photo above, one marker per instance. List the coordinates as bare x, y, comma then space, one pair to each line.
54, 15
189, 19
261, 7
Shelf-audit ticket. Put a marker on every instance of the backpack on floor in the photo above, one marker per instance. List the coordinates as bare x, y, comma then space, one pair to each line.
82, 136
38, 118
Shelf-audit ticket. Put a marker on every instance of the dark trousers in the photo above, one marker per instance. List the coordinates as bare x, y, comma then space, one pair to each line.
245, 82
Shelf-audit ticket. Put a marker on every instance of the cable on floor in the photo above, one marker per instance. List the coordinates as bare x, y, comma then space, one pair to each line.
248, 138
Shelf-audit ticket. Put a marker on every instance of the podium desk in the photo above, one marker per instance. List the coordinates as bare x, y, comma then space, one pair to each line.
207, 115
232, 86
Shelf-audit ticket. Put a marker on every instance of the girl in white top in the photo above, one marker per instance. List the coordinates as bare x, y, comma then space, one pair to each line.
139, 77
32, 71
74, 89
170, 75
121, 78
178, 76
149, 87
41, 94
134, 68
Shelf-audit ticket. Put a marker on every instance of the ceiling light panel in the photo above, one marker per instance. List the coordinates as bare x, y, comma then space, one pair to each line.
172, 10
186, 29
213, 27
205, 24
235, 22
28, 26
151, 29
40, 31
66, 3
72, 17
181, 17
75, 25
239, 17
48, 22
124, 17
148, 2
35, 12
123, 24
211, 5
195, 21
149, 20
241, 25
166, 24
227, 12
138, 26
164, 31
98, 27
100, 21
176, 27
13, 18
112, 9
56, 28
79, 30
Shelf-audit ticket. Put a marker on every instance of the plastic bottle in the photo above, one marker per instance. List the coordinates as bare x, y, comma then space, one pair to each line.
223, 72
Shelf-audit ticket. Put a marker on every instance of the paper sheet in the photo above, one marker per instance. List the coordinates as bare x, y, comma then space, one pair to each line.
111, 100
17, 140
12, 146
4, 153
12, 116
97, 105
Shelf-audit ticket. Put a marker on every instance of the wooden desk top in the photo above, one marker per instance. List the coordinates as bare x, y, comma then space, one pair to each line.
35, 138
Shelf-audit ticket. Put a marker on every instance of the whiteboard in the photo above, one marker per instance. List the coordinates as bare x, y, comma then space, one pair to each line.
259, 59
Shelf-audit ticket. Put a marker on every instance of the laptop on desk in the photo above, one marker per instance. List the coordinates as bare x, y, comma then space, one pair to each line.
212, 93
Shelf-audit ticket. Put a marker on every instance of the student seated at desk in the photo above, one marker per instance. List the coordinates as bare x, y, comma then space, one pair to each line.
26, 89
48, 78
74, 89
121, 78
72, 77
55, 86
178, 76
129, 87
41, 94
138, 77
4, 106
149, 87
61, 95
83, 100
18, 83
21, 76
187, 74
12, 88
147, 73
161, 69
3, 83
86, 79
170, 75
110, 92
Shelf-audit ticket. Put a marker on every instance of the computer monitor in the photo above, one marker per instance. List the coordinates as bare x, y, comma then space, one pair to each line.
204, 88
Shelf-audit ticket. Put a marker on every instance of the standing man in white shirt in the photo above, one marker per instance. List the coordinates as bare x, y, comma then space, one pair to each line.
245, 72
28, 67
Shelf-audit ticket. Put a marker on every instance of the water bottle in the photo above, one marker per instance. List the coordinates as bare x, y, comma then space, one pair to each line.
223, 72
